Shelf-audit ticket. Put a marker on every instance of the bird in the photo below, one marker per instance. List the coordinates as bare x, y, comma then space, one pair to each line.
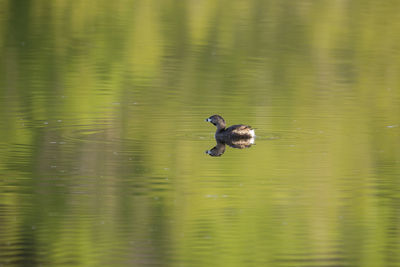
239, 131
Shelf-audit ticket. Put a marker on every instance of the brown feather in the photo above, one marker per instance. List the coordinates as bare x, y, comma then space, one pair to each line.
239, 129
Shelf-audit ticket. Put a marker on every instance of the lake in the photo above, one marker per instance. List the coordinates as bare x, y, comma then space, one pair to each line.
103, 133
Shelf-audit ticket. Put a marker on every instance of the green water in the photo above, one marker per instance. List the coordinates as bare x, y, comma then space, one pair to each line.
103, 138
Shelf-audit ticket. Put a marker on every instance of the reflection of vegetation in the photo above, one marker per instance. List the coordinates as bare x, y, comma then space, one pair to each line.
330, 67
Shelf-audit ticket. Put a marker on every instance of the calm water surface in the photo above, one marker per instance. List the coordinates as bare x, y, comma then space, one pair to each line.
103, 138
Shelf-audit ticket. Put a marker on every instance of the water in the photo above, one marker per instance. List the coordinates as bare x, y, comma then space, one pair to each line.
103, 139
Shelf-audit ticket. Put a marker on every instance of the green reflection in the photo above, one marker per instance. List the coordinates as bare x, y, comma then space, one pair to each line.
102, 134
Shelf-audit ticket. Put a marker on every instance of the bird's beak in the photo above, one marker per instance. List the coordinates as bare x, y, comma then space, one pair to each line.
208, 119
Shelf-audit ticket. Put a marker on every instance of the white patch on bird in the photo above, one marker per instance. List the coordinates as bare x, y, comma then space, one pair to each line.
252, 133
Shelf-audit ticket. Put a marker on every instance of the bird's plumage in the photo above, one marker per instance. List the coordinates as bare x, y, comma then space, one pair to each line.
238, 131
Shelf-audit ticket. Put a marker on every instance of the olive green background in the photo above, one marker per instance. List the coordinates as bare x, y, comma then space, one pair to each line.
102, 133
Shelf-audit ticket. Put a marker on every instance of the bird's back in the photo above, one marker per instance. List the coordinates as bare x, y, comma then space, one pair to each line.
239, 130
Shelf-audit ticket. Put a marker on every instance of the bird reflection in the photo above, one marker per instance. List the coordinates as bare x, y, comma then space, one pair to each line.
219, 149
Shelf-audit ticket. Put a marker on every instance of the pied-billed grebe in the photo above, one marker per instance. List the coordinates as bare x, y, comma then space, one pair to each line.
239, 131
